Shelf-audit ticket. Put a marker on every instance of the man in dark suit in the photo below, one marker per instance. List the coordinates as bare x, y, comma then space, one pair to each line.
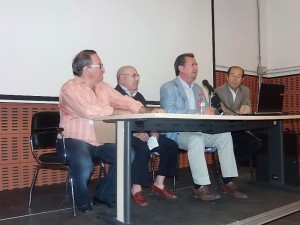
237, 97
128, 80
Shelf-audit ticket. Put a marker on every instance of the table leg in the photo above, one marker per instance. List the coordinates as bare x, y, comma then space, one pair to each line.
123, 172
275, 154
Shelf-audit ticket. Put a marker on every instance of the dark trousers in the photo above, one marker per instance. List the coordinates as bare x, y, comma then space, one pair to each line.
167, 149
245, 145
80, 157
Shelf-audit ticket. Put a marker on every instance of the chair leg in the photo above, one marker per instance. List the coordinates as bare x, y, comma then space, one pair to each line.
251, 169
102, 171
174, 184
72, 193
36, 171
215, 167
67, 183
153, 166
175, 178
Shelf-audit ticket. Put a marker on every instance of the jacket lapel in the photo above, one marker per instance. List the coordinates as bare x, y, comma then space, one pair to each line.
182, 92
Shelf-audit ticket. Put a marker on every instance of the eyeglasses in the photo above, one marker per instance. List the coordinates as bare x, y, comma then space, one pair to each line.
136, 76
100, 65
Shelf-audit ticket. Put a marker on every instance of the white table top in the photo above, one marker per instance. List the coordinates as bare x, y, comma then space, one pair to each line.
191, 117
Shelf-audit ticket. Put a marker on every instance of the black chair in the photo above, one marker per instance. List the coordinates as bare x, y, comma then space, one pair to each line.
44, 132
102, 170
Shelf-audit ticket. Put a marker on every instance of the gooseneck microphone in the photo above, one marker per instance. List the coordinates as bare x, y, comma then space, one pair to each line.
216, 100
208, 86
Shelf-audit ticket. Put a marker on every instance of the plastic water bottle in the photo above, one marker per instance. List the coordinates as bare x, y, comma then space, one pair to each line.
201, 104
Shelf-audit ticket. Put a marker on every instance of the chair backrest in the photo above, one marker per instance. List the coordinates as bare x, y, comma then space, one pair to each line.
44, 129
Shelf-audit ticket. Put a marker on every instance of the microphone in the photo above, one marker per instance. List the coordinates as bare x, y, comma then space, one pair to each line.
216, 103
208, 86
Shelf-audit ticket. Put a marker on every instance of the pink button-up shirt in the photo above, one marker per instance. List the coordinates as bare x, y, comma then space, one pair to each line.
79, 104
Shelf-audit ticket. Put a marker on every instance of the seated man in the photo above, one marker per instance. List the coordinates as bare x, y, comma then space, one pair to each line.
237, 97
81, 99
180, 96
128, 80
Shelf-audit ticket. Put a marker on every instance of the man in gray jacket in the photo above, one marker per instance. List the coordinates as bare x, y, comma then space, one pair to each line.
237, 98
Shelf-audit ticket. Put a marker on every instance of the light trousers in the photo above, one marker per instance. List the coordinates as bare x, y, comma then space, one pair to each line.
195, 143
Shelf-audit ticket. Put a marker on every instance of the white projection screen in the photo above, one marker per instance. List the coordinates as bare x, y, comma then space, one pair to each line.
39, 40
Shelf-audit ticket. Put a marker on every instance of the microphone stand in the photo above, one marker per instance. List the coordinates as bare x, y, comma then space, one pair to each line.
212, 90
209, 98
226, 106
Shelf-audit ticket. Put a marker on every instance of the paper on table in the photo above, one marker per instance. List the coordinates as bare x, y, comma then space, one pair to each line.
152, 142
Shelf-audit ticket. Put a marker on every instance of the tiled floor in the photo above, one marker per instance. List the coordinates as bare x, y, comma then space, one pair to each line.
51, 206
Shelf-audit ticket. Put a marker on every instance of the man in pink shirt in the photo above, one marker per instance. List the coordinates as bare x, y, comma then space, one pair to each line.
81, 99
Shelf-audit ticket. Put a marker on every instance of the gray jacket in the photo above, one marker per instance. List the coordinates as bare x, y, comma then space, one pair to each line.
242, 98
173, 99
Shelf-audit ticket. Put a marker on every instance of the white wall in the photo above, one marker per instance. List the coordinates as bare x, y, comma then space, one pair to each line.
236, 28
236, 34
40, 38
280, 36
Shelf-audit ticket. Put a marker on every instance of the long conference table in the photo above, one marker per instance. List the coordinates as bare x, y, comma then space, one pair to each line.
168, 122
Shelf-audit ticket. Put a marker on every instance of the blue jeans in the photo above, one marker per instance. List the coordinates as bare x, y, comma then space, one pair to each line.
80, 158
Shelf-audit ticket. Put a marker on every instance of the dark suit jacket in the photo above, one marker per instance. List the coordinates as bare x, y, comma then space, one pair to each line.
139, 97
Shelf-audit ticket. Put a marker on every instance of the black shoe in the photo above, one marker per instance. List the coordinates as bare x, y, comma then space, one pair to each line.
85, 209
109, 203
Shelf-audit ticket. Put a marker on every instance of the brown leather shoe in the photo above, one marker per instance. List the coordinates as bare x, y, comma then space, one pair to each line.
205, 193
139, 199
165, 192
232, 189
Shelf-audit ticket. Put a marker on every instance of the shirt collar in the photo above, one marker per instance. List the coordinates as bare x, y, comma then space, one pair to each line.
131, 94
185, 85
234, 94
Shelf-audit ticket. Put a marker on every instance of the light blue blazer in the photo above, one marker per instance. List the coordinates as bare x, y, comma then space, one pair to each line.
173, 99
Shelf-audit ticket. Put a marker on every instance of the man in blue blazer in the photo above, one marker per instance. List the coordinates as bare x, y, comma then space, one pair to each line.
180, 96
